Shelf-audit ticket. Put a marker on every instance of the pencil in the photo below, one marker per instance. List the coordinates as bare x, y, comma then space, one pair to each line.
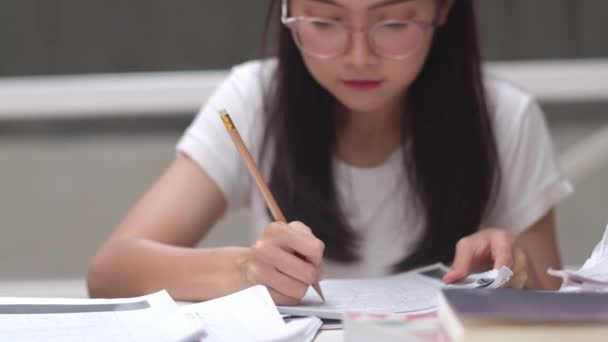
257, 177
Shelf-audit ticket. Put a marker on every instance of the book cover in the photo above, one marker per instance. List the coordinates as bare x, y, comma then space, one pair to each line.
522, 315
527, 305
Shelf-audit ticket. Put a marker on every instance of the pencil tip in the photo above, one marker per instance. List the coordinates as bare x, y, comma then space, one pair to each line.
222, 112
317, 288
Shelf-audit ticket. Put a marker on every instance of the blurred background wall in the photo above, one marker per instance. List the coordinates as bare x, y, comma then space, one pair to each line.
91, 36
66, 183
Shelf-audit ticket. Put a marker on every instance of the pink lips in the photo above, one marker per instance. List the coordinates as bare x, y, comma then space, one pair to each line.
362, 85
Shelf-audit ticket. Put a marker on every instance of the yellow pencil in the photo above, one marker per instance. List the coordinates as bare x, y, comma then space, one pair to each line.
257, 177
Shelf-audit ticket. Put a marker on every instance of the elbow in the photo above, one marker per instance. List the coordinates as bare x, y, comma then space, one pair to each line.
110, 272
99, 276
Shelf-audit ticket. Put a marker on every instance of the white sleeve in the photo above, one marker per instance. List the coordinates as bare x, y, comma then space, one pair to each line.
532, 182
208, 143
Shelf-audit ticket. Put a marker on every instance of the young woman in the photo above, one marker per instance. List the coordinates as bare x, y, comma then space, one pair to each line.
382, 141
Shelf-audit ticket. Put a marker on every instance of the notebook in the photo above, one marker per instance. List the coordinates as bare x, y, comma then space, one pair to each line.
408, 292
519, 315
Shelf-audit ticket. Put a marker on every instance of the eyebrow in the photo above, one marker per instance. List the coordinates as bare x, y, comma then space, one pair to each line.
387, 3
374, 6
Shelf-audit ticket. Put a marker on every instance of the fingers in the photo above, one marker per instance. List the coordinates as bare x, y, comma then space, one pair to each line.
306, 244
502, 244
298, 238
288, 263
284, 289
489, 247
287, 258
320, 274
297, 225
465, 252
520, 269
281, 299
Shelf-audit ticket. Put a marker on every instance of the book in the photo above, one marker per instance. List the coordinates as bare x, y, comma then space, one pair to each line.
518, 315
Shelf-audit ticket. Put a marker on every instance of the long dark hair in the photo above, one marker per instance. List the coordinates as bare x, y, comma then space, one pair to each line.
451, 164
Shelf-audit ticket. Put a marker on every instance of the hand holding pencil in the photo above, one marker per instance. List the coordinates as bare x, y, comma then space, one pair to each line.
287, 257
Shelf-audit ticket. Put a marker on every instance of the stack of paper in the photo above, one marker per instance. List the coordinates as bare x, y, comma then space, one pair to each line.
149, 318
248, 315
409, 292
593, 276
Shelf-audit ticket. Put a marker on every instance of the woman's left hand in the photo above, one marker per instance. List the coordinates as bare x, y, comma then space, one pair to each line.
489, 248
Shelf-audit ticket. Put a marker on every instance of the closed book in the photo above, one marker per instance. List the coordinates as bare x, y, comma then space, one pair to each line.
521, 316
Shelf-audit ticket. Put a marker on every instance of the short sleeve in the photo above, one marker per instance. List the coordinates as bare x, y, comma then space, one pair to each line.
207, 142
532, 182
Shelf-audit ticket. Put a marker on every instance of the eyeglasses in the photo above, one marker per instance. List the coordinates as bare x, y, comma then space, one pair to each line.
324, 38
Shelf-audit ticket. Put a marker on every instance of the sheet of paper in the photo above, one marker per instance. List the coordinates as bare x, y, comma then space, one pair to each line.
490, 279
149, 318
248, 315
596, 267
409, 292
300, 329
592, 276
600, 252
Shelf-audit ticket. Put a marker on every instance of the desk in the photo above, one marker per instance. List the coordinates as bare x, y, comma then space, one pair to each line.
76, 288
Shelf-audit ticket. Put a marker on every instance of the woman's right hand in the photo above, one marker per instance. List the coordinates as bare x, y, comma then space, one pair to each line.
287, 259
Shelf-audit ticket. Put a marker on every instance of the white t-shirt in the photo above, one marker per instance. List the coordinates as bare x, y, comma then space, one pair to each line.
390, 227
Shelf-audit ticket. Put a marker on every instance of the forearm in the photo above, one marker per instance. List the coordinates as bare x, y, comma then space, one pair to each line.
539, 243
538, 278
133, 267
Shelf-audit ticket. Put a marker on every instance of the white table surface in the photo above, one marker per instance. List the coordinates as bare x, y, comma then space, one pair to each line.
76, 288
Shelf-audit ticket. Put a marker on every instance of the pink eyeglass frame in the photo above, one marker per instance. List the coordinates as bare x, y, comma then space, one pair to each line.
290, 21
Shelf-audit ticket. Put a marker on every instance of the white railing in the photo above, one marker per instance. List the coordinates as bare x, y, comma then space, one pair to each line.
162, 93
171, 92
82, 96
558, 81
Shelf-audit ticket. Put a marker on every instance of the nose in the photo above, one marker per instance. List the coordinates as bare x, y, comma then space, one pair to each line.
359, 53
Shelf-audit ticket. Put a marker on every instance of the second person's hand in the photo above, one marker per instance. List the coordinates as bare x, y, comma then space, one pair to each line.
287, 259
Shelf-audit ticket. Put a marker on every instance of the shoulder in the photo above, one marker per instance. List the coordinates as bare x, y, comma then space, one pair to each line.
509, 106
241, 93
504, 98
531, 182
253, 73
243, 90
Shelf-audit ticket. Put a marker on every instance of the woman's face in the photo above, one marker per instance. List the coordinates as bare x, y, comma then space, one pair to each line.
361, 79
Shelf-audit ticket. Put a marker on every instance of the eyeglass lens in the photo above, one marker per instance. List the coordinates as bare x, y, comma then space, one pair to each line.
327, 39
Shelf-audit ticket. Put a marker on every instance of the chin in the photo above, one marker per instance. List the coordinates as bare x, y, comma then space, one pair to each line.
363, 108
364, 104
367, 102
